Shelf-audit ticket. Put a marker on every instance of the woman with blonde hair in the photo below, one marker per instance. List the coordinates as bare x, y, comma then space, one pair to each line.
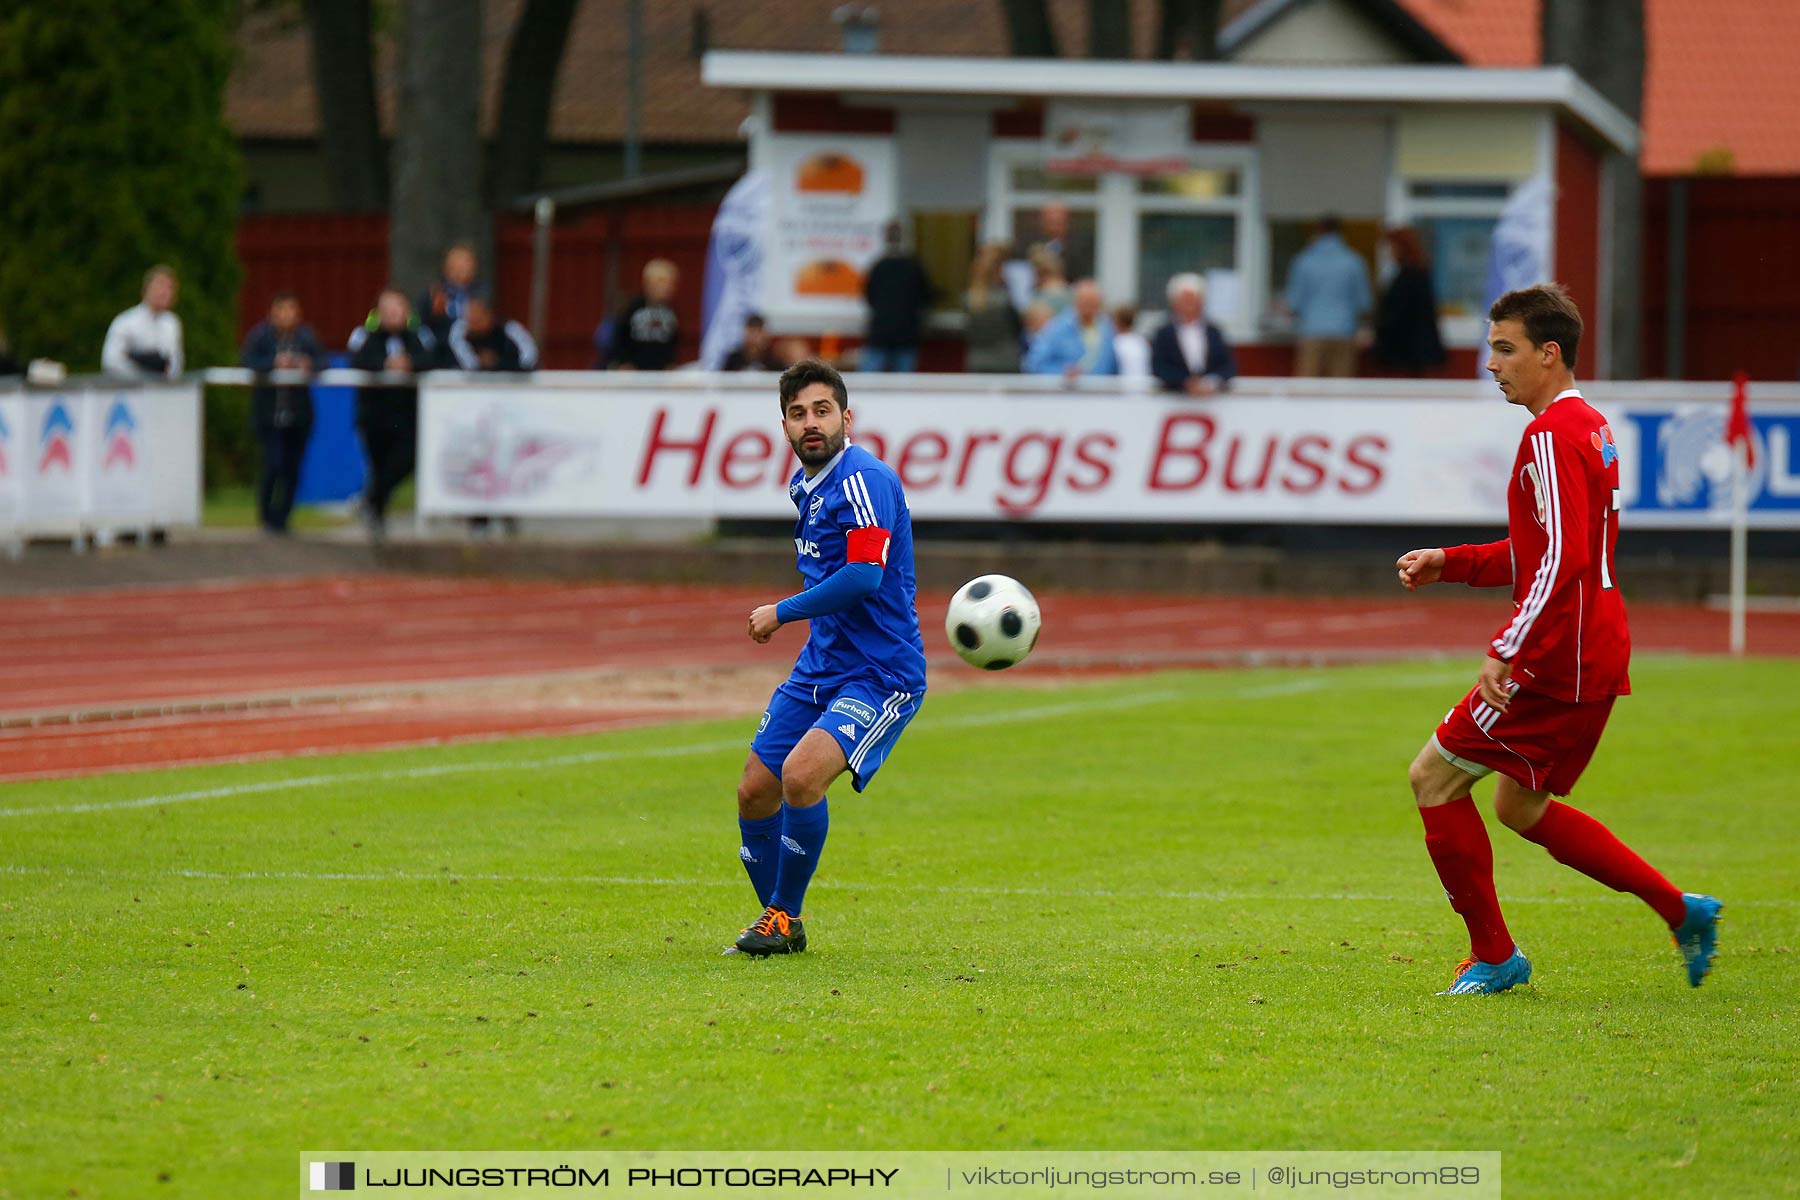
1052, 283
992, 332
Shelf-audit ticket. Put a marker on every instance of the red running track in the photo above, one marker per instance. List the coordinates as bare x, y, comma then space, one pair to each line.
117, 679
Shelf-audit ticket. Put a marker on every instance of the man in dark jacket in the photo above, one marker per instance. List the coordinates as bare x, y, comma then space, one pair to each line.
481, 341
646, 335
1190, 354
387, 414
280, 414
443, 303
898, 293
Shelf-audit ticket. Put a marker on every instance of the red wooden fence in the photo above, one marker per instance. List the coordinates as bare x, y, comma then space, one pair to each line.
1743, 278
338, 264
1742, 298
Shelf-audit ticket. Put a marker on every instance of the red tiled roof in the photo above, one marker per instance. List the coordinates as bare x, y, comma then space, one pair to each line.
1723, 75
1482, 32
1720, 75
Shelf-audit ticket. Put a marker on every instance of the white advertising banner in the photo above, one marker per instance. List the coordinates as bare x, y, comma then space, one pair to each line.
831, 197
14, 458
56, 453
99, 457
709, 449
1088, 137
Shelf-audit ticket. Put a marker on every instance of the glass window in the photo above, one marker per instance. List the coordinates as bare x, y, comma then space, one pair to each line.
1288, 238
1033, 178
1078, 253
1458, 247
945, 245
1495, 192
1197, 184
1170, 243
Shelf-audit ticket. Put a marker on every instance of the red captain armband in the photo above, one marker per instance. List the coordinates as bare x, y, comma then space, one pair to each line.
867, 545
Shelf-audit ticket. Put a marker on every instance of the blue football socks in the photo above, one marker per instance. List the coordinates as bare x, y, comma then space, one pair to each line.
802, 840
760, 850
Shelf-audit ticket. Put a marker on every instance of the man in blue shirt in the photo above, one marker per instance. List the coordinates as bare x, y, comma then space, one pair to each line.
1077, 341
861, 675
1328, 293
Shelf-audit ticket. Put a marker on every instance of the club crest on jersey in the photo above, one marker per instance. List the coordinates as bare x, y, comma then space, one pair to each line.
812, 513
1603, 442
1536, 487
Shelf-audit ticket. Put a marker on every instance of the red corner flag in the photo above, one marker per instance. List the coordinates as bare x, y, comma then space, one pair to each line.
1737, 425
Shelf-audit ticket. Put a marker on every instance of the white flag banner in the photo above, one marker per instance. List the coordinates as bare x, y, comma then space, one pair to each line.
734, 268
1520, 254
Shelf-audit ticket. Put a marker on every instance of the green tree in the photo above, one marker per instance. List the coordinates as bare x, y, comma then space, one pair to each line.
114, 155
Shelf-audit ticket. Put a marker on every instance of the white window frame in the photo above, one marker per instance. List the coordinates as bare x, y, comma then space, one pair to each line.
1117, 204
1405, 208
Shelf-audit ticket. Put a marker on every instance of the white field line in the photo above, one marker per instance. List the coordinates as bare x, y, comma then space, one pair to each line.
642, 881
586, 758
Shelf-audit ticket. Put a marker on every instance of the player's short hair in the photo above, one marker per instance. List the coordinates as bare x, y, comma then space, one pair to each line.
1547, 314
808, 371
159, 271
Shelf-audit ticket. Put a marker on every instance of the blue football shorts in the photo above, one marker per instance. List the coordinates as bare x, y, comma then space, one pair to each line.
865, 715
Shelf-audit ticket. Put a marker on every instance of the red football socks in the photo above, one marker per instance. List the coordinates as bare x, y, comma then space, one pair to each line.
1464, 858
1577, 840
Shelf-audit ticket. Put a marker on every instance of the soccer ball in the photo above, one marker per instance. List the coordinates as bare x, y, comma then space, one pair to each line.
993, 622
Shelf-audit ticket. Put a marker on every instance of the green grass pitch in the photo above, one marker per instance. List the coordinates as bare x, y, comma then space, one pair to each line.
1178, 911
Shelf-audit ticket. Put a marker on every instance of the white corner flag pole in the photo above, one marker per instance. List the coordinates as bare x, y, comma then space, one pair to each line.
1740, 540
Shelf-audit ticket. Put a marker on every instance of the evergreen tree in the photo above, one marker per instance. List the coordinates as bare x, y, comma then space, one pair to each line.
114, 155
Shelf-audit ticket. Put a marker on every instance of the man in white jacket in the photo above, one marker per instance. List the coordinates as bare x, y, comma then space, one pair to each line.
144, 341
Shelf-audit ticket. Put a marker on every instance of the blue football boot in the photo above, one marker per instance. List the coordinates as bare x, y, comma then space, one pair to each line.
1698, 937
1474, 977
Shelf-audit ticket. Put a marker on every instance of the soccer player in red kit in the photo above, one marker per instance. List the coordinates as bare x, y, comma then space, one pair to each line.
1552, 671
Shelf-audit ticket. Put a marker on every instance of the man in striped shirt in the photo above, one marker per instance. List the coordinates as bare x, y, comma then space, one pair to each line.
1553, 670
860, 676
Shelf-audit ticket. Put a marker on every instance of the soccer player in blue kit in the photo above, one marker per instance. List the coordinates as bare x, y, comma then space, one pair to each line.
861, 675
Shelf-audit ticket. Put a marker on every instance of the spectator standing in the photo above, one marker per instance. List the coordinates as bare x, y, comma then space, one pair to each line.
1077, 341
442, 304
144, 341
1036, 315
899, 293
392, 341
481, 341
1050, 285
281, 414
645, 336
1056, 234
756, 352
1190, 354
991, 329
1328, 293
1406, 323
1131, 349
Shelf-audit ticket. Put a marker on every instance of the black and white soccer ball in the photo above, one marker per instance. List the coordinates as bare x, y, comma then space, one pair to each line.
993, 622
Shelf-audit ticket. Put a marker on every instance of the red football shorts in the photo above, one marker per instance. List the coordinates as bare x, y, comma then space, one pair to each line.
1538, 742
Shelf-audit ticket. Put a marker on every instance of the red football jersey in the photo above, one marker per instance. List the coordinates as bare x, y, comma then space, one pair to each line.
1568, 637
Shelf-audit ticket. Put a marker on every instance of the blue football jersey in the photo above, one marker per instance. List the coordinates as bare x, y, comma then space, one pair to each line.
855, 511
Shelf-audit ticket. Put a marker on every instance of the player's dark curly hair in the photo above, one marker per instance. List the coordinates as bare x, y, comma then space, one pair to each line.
1547, 314
807, 371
